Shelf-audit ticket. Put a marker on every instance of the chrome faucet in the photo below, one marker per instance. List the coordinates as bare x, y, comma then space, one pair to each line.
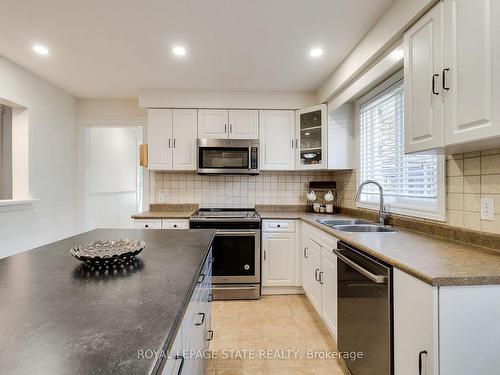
382, 210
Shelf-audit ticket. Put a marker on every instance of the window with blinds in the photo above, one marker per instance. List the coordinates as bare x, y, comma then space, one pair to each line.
411, 183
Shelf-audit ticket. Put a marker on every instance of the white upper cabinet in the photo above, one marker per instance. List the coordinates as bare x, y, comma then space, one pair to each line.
277, 139
223, 123
243, 124
160, 139
184, 126
213, 123
311, 138
472, 64
423, 61
172, 139
452, 78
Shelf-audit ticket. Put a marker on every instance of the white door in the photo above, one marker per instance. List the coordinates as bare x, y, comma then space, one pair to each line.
311, 137
184, 139
213, 123
328, 279
415, 323
472, 30
243, 124
314, 289
277, 140
423, 62
160, 139
112, 176
306, 263
278, 265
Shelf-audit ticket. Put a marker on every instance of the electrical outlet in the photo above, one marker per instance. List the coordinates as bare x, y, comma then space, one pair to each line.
161, 198
487, 209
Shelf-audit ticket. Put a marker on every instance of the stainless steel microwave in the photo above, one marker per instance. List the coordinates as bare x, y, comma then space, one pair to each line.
228, 156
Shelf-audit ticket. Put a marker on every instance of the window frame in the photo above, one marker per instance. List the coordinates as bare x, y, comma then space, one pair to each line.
407, 209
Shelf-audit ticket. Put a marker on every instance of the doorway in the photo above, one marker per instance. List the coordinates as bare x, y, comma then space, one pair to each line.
113, 177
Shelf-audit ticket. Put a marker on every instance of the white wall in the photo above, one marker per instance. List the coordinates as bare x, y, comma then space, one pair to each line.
52, 163
387, 31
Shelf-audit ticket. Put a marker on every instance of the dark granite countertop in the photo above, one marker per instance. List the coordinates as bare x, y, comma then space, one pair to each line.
58, 319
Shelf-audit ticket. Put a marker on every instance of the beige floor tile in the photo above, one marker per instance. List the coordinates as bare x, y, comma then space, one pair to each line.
210, 372
242, 371
292, 371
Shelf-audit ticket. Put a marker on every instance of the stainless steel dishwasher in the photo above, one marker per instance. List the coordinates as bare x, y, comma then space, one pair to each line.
364, 311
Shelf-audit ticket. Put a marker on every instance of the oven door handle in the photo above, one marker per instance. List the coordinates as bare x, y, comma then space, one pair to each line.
233, 288
379, 279
235, 233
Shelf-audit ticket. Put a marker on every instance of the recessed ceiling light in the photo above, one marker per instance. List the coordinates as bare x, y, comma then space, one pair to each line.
41, 50
316, 52
179, 51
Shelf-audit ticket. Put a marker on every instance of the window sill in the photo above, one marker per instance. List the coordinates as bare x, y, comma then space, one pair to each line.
428, 215
11, 204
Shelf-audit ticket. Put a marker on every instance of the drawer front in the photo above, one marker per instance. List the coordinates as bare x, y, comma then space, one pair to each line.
147, 223
175, 224
278, 226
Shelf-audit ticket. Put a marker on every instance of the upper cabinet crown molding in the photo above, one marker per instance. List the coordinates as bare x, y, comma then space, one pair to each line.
452, 60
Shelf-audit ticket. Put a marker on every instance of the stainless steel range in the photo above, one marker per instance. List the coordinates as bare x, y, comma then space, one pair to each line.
236, 250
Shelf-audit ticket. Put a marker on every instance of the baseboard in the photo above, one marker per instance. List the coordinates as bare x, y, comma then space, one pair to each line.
273, 290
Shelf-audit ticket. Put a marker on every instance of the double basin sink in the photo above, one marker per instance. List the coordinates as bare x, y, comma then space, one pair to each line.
355, 225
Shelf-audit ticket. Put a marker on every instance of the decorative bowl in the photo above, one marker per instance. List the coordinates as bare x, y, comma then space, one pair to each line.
108, 251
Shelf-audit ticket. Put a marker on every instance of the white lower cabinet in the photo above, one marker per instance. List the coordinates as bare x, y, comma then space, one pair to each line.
278, 261
319, 274
415, 325
161, 223
194, 333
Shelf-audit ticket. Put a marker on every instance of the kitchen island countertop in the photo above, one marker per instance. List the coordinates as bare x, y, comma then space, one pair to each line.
60, 318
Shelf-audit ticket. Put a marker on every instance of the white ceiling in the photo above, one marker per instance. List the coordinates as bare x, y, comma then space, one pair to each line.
114, 48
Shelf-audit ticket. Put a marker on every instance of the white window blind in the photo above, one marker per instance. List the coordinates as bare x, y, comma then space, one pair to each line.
410, 182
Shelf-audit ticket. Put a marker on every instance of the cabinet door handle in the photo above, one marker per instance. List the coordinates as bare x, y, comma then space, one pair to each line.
175, 139
434, 84
210, 297
202, 319
169, 142
444, 79
225, 128
202, 277
316, 274
210, 335
265, 255
292, 143
179, 371
420, 355
297, 143
321, 278
305, 252
230, 128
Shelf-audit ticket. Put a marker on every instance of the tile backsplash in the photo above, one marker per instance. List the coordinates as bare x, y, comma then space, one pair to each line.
269, 187
470, 177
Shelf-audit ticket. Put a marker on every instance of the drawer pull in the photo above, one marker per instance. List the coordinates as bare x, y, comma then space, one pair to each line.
146, 226
420, 361
316, 274
202, 319
210, 297
210, 335
179, 371
305, 252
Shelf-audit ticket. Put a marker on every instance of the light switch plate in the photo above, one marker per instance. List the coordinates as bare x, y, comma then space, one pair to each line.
487, 209
161, 198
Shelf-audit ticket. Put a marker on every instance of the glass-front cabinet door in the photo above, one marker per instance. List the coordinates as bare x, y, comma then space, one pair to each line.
311, 137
